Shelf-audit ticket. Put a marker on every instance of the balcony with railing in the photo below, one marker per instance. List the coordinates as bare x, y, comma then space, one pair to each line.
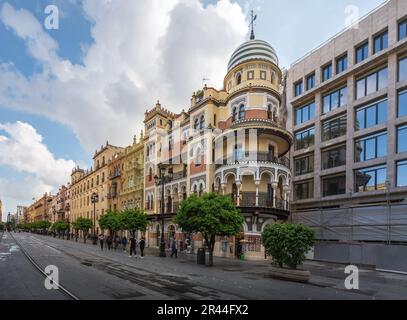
261, 157
264, 200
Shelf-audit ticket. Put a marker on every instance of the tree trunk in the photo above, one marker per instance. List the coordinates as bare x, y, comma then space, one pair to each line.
211, 247
84, 237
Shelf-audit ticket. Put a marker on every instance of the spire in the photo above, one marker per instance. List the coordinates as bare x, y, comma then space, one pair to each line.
252, 20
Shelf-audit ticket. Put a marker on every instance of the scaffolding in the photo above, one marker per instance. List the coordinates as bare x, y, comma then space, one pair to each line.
373, 223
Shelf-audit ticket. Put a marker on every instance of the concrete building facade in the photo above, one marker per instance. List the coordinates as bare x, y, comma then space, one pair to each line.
348, 112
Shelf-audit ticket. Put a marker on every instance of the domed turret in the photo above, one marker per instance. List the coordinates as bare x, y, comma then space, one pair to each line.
253, 50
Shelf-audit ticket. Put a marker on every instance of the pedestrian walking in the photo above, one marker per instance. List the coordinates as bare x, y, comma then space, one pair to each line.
142, 244
133, 243
109, 242
124, 243
116, 242
174, 249
101, 241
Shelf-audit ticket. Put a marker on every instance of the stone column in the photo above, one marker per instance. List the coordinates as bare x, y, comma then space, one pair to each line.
274, 185
257, 192
223, 186
238, 185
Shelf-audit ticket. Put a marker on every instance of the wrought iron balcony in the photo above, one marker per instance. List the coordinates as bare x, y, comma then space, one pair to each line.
256, 157
248, 200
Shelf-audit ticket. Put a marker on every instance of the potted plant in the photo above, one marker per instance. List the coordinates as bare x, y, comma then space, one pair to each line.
288, 244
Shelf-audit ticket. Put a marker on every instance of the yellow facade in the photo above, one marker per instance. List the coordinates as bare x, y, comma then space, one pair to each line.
132, 195
96, 180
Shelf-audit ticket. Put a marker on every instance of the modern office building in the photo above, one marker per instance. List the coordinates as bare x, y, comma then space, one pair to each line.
348, 112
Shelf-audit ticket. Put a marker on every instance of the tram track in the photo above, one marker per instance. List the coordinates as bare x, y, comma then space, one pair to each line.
170, 286
64, 290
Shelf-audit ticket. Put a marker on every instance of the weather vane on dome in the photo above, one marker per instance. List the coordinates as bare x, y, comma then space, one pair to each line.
253, 18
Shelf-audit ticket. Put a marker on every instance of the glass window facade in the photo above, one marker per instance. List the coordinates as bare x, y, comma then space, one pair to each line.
298, 88
402, 29
304, 190
402, 104
371, 115
327, 72
311, 81
305, 139
305, 113
402, 139
370, 179
381, 42
402, 174
402, 72
362, 52
333, 158
371, 147
371, 83
334, 128
341, 64
304, 165
335, 99
332, 186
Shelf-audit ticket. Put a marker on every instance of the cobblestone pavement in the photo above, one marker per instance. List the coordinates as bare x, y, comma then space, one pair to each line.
92, 274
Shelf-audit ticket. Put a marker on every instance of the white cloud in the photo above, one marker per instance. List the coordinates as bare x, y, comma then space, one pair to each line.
23, 151
142, 51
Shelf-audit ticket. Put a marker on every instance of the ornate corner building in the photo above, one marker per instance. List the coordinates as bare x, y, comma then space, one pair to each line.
231, 141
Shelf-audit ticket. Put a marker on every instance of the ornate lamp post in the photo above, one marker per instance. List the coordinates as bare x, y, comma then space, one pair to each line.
161, 180
94, 199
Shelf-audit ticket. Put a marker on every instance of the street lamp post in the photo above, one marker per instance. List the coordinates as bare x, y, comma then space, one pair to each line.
161, 180
94, 199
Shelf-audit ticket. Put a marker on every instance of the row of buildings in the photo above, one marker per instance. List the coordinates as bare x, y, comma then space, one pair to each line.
323, 137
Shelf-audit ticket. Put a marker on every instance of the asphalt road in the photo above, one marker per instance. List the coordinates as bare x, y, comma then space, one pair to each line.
94, 275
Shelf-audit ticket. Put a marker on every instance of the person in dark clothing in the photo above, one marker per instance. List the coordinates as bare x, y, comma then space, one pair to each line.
101, 240
174, 249
116, 242
124, 243
142, 244
133, 243
109, 242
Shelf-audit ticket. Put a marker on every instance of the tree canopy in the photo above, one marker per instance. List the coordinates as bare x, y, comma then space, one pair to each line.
84, 225
111, 221
211, 215
133, 220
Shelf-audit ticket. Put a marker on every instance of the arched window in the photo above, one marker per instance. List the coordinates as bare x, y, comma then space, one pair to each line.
148, 151
196, 123
150, 174
238, 78
198, 157
202, 123
195, 189
241, 112
234, 114
269, 112
148, 202
201, 190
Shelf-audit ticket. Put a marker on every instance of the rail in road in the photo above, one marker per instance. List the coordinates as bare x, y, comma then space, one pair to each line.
38, 267
167, 285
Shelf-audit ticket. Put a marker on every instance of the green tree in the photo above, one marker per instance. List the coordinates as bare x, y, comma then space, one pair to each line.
84, 225
110, 221
61, 227
287, 243
133, 220
212, 215
1, 226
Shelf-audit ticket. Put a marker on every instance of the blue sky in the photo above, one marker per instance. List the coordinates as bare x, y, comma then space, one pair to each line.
87, 38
